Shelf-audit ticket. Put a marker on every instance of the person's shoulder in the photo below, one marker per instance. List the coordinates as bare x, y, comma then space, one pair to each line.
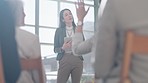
119, 2
25, 34
59, 29
117, 5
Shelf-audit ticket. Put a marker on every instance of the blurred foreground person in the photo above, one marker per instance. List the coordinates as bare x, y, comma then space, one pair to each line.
28, 43
118, 17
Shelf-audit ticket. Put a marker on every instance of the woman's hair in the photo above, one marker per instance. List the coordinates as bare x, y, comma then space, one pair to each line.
8, 43
16, 8
61, 22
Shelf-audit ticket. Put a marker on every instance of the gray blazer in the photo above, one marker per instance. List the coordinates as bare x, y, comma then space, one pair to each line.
118, 17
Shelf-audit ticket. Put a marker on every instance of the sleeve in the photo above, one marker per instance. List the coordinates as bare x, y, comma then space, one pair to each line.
57, 47
36, 48
105, 43
79, 46
37, 53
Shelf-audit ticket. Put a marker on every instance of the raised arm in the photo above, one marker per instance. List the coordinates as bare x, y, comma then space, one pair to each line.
78, 46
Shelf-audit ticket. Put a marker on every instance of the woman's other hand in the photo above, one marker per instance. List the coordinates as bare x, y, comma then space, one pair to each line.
67, 45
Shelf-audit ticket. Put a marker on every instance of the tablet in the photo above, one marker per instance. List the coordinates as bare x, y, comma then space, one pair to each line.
67, 39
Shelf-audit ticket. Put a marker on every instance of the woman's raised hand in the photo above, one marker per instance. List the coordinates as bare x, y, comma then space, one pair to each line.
80, 10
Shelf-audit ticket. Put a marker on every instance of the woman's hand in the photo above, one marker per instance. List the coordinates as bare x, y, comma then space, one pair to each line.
80, 10
67, 45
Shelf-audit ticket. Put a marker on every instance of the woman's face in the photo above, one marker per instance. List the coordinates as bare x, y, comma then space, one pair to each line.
67, 15
21, 18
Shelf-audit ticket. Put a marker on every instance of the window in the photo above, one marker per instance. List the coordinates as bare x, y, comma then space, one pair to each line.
29, 8
46, 35
48, 13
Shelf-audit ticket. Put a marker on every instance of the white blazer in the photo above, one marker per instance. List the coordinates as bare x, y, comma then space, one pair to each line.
28, 48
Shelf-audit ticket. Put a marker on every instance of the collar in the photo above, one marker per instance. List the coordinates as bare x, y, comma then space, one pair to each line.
69, 28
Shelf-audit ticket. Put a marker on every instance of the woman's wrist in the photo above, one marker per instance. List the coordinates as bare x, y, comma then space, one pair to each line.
80, 19
62, 50
80, 23
79, 29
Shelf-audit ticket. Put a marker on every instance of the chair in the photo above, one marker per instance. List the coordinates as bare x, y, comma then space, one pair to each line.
33, 64
134, 43
2, 80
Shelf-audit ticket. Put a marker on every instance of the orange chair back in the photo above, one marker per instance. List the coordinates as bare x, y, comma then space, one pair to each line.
134, 43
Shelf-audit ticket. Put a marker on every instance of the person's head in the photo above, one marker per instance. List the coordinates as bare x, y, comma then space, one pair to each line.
66, 18
18, 11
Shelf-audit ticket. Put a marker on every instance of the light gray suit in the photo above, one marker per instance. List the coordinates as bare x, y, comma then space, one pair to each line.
118, 17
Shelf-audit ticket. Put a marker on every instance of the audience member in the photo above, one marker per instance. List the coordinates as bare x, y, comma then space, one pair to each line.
118, 17
28, 43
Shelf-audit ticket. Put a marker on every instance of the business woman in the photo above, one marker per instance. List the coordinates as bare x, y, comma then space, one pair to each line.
68, 63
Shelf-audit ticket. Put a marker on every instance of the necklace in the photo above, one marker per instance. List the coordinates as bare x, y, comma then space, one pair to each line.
69, 31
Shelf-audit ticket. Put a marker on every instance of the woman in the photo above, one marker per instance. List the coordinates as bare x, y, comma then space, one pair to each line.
68, 63
28, 43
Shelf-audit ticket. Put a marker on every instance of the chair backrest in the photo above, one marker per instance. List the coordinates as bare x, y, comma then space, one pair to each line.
33, 64
2, 79
134, 43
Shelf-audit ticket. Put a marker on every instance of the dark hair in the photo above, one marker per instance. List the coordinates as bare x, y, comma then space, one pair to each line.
8, 43
61, 23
